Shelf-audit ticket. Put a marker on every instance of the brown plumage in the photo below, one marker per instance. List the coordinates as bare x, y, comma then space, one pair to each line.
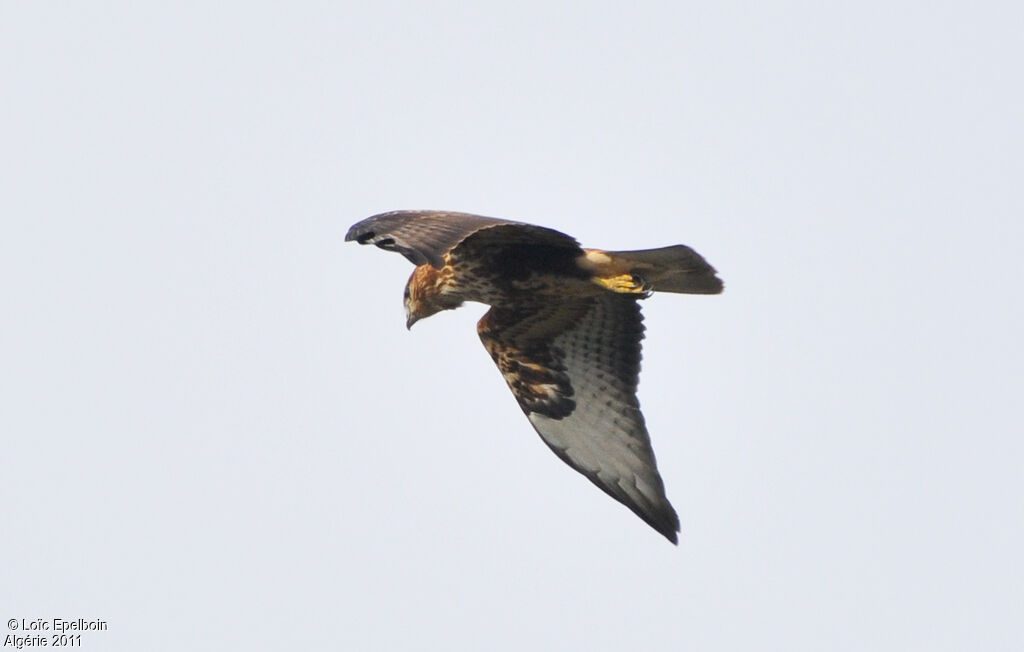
564, 329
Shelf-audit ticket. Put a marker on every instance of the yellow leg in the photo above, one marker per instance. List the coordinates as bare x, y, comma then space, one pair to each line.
624, 283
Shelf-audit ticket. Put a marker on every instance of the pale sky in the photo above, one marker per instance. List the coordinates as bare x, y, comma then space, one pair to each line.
218, 434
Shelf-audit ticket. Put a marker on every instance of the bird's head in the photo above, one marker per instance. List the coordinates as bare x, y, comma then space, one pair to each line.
428, 291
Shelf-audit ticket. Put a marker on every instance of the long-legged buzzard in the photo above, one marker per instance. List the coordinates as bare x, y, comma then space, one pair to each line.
564, 329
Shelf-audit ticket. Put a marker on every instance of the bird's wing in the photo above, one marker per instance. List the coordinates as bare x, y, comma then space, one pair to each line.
426, 236
574, 366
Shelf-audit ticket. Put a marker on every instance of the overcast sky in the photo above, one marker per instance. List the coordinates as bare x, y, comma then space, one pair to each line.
218, 434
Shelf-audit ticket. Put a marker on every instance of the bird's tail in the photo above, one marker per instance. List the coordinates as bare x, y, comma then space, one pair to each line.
667, 269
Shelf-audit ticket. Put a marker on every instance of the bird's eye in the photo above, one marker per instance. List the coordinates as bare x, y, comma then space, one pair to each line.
406, 291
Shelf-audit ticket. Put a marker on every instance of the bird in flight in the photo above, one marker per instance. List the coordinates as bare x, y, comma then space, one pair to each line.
564, 328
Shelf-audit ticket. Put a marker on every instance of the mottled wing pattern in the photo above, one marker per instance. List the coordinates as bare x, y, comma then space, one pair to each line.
573, 368
426, 236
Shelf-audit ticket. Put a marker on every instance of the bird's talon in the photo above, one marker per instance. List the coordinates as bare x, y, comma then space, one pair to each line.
623, 283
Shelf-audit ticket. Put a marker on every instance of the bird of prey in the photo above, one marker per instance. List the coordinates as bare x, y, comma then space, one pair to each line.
564, 328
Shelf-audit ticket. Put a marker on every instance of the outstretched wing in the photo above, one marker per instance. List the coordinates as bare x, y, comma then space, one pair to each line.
426, 236
574, 367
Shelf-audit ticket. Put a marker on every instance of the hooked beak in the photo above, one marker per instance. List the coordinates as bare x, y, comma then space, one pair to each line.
410, 321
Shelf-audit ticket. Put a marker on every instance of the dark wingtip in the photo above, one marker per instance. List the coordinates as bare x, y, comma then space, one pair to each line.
664, 520
354, 234
668, 528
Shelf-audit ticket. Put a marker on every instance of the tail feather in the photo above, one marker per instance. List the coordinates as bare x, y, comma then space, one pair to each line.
669, 269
